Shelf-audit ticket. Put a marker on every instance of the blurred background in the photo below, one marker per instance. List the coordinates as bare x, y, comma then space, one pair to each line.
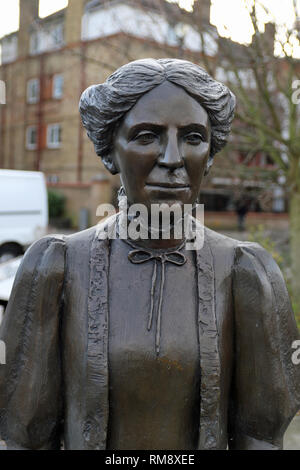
52, 50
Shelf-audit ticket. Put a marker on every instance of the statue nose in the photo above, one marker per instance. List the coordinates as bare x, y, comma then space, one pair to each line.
171, 156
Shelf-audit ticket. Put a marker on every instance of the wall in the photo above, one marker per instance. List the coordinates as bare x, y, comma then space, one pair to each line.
109, 20
9, 47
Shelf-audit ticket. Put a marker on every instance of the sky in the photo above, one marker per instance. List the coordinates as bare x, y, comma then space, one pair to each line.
9, 13
230, 16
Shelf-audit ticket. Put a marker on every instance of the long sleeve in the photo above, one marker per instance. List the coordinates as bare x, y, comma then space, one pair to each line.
30, 382
266, 383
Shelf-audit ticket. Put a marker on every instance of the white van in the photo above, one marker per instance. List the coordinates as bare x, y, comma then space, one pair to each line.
23, 211
8, 273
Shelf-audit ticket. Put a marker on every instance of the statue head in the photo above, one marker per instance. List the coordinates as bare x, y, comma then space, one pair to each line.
153, 97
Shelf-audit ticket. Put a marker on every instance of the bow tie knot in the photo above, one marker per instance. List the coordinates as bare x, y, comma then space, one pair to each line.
139, 256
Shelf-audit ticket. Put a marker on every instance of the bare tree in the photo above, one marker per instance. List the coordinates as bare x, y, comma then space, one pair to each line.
268, 110
263, 75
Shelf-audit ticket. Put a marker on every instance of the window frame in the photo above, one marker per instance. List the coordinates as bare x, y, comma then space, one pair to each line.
30, 98
58, 128
29, 144
55, 95
57, 32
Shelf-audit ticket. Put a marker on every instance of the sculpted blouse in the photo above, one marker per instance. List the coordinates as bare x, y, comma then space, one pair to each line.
56, 381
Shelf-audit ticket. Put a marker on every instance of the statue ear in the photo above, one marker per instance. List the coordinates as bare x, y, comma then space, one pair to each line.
109, 163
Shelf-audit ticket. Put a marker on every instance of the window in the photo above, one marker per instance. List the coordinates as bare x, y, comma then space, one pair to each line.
54, 136
34, 43
31, 138
46, 38
58, 86
33, 90
57, 35
9, 46
53, 179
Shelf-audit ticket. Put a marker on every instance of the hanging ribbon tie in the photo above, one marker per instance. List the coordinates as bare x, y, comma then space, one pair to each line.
142, 255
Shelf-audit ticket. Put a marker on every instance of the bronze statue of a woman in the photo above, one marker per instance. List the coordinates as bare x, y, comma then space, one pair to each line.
143, 344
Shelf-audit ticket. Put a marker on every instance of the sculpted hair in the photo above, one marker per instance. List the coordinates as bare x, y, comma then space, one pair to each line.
102, 107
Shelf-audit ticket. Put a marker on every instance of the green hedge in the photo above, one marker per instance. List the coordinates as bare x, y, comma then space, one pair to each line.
56, 204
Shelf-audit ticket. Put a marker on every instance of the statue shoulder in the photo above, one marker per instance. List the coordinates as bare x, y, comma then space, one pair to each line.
255, 260
42, 266
248, 258
46, 255
258, 280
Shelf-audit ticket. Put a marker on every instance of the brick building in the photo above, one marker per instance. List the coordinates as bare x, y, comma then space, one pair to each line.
49, 62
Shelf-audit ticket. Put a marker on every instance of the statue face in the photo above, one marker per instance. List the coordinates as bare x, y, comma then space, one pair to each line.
162, 147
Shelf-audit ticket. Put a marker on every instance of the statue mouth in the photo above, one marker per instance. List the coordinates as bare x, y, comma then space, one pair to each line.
167, 185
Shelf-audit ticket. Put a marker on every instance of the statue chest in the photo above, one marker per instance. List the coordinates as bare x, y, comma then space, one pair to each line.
154, 395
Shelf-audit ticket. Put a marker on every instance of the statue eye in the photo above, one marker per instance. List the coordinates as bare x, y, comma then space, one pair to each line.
145, 137
193, 138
